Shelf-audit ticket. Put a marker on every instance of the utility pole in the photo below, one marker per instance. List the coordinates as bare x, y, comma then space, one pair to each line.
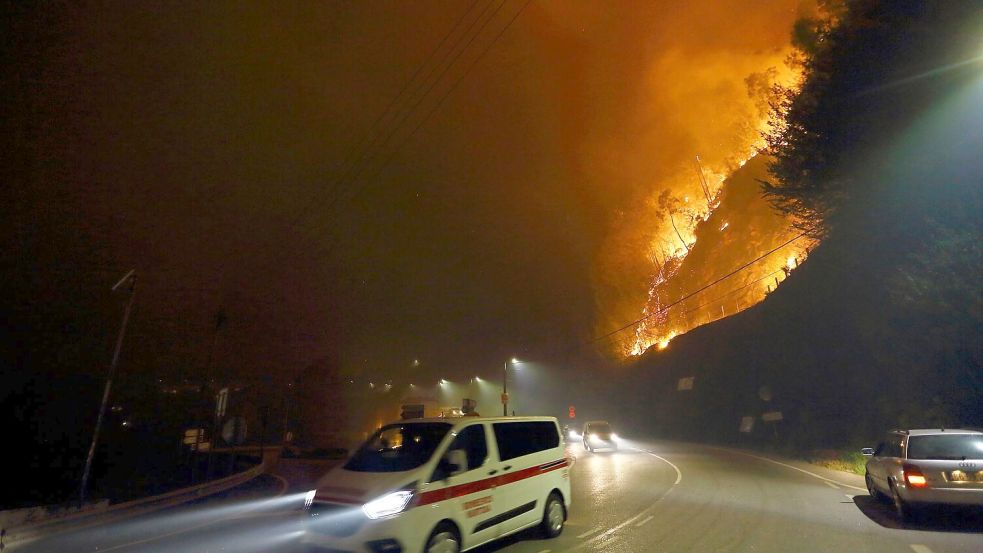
505, 390
220, 319
130, 277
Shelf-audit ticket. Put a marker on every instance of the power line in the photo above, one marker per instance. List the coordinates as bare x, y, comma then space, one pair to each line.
409, 112
691, 294
426, 118
365, 158
365, 145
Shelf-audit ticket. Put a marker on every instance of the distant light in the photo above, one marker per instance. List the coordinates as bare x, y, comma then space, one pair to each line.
416, 362
790, 262
514, 360
477, 379
724, 226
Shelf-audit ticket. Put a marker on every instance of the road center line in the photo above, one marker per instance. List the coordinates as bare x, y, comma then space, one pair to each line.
642, 523
589, 532
920, 548
831, 485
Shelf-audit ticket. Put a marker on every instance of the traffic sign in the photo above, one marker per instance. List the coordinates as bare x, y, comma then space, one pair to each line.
234, 431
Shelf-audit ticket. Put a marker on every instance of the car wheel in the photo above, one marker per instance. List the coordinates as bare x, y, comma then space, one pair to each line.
443, 539
871, 489
901, 509
554, 515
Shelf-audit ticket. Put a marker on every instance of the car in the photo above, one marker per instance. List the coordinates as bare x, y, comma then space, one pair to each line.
443, 484
598, 435
914, 468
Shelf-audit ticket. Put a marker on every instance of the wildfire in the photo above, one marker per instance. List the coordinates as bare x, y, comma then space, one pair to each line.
676, 304
694, 216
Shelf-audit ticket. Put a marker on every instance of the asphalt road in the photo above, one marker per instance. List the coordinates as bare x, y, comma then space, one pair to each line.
646, 498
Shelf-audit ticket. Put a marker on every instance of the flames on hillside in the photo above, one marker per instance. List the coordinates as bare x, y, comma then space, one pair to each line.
715, 248
721, 254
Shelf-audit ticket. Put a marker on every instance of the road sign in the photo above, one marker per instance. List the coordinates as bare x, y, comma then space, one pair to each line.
234, 431
572, 412
221, 402
772, 416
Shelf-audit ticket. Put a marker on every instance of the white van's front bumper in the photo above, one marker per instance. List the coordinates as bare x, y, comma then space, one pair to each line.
333, 528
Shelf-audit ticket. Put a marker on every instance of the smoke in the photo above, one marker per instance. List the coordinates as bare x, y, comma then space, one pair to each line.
669, 86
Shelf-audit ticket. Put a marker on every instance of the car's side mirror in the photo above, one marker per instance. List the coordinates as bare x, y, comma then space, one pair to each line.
867, 451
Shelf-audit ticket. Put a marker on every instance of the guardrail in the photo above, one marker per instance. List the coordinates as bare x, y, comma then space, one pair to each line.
30, 530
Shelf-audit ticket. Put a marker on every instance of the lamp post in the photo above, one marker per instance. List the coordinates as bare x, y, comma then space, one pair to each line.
505, 387
130, 277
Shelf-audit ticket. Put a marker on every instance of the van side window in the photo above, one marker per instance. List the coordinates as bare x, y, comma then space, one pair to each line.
516, 439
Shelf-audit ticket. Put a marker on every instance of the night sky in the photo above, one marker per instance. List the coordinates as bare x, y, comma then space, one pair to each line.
268, 165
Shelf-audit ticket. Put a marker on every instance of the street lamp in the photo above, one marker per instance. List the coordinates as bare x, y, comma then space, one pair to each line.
505, 387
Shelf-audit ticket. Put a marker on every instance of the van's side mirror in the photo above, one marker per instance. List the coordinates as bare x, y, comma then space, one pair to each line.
452, 463
867, 451
457, 461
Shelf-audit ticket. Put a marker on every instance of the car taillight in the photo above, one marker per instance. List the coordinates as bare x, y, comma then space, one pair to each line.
914, 477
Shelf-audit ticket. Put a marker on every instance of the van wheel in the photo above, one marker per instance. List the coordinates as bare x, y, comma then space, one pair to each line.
554, 515
443, 539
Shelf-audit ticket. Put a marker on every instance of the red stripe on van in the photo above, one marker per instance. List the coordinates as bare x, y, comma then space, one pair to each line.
435, 496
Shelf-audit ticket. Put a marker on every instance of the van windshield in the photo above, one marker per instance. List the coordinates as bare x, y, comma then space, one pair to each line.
398, 447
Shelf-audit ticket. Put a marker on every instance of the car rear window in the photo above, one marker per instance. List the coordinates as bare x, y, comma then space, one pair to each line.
956, 447
516, 439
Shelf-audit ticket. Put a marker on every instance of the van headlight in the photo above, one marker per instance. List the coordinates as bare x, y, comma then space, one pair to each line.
388, 505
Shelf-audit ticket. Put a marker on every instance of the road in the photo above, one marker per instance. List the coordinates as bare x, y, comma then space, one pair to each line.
650, 497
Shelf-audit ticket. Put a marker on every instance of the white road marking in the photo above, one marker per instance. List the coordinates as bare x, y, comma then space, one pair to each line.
642, 523
831, 485
679, 474
920, 548
632, 520
545, 551
786, 465
589, 532
850, 495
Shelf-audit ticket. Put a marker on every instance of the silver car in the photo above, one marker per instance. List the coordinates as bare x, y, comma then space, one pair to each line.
928, 466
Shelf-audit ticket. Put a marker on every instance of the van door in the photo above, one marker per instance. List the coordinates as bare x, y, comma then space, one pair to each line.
462, 486
525, 449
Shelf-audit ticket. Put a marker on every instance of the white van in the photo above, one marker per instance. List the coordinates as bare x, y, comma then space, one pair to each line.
442, 485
